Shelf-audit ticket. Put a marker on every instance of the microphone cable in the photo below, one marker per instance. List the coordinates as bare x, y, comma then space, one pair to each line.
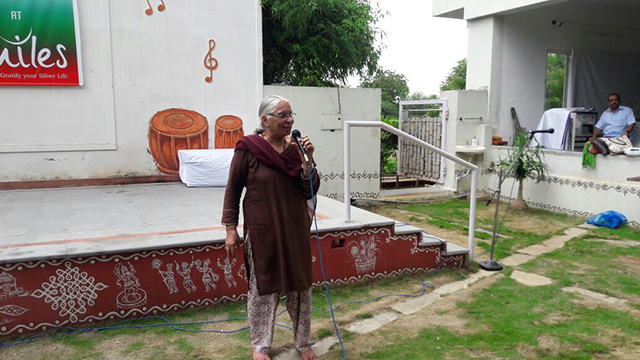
324, 276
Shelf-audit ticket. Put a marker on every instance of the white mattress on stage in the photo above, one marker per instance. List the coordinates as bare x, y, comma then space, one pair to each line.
206, 167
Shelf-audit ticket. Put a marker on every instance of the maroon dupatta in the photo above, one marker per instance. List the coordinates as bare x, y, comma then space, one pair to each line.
288, 161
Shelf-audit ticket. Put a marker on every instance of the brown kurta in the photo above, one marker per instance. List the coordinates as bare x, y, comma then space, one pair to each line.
276, 215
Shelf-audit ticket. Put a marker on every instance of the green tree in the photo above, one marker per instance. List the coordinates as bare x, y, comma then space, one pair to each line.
457, 78
388, 148
394, 88
318, 42
421, 96
556, 69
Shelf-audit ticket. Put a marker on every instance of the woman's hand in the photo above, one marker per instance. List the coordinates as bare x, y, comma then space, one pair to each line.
309, 149
308, 146
231, 241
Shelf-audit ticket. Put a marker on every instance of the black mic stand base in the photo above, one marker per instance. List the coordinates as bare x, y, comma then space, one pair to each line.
490, 265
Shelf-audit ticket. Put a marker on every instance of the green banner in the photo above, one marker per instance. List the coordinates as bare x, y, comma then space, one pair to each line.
39, 43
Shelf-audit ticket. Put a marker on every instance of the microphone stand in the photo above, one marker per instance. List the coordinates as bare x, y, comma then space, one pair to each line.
491, 264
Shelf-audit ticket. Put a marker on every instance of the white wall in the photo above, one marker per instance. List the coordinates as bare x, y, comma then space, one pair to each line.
473, 9
314, 106
468, 105
134, 66
486, 54
573, 190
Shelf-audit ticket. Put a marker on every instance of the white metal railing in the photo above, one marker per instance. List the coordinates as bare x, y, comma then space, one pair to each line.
391, 129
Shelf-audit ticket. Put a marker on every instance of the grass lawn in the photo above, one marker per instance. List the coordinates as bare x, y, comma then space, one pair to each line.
496, 318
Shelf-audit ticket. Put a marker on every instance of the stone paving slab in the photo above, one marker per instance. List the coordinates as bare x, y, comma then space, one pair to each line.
559, 241
454, 286
413, 305
587, 226
555, 242
617, 242
369, 325
536, 250
595, 296
575, 231
481, 274
530, 279
320, 348
516, 259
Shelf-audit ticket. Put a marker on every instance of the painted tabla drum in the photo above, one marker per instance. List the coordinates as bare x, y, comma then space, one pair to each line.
228, 131
176, 129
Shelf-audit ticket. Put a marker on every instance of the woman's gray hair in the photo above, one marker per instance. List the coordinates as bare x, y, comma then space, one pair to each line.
268, 106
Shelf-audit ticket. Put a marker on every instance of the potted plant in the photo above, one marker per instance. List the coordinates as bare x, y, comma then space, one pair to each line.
521, 163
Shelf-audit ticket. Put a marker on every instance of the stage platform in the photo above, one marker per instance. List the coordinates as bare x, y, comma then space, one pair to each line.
73, 256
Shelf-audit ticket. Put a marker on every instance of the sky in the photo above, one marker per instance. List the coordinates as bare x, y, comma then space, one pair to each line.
422, 48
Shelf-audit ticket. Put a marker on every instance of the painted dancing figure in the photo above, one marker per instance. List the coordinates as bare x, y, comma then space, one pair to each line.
168, 276
169, 279
208, 276
228, 274
186, 276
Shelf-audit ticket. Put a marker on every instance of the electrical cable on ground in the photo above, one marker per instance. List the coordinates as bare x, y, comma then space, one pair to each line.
324, 276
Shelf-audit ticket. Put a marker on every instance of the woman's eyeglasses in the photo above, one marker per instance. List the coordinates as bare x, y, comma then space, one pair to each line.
284, 116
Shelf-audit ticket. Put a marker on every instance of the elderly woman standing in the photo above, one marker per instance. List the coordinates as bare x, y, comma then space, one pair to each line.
277, 246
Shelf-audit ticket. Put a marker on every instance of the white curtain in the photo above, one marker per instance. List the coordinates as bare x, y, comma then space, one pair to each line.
595, 74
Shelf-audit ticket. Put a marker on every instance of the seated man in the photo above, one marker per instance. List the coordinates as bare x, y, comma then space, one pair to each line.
616, 121
614, 127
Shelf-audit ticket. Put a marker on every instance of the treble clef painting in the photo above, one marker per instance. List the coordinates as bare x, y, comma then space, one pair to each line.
210, 62
149, 11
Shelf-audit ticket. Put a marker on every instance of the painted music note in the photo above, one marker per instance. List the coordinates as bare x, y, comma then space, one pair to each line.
149, 11
210, 62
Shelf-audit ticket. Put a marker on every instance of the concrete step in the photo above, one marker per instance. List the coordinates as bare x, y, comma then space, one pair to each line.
453, 249
430, 240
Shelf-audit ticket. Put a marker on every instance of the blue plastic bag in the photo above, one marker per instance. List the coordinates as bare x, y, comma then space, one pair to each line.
611, 219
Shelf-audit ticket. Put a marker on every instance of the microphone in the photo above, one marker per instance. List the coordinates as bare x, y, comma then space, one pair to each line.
550, 131
296, 136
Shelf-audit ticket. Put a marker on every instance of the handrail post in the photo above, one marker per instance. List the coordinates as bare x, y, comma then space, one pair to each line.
347, 171
472, 214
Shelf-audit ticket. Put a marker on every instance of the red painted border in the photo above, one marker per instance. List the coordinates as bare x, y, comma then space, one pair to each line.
15, 185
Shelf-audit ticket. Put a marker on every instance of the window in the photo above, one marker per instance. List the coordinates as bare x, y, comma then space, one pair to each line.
555, 80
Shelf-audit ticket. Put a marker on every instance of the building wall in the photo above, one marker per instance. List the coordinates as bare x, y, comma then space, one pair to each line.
320, 113
571, 189
472, 9
134, 65
468, 105
485, 54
